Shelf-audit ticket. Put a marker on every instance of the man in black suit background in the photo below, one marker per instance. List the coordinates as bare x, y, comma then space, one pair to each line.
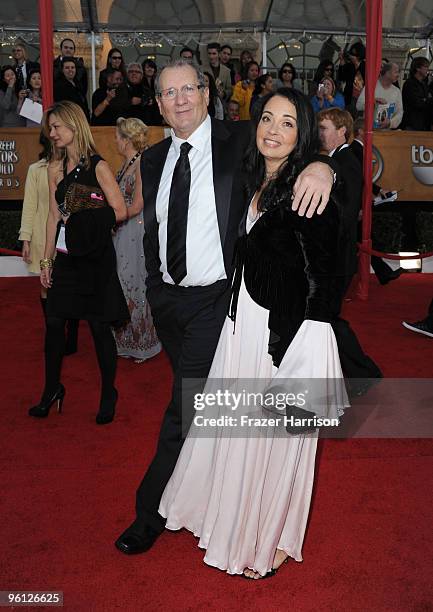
383, 271
22, 65
336, 135
67, 49
194, 199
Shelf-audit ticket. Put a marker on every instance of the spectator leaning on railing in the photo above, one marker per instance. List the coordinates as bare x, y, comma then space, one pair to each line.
33, 92
9, 116
111, 101
114, 62
67, 88
387, 95
23, 66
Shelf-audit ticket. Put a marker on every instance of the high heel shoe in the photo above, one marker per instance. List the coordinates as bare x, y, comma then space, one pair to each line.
43, 408
107, 409
269, 574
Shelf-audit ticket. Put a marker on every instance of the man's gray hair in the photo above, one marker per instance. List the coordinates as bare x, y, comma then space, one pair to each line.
181, 63
134, 65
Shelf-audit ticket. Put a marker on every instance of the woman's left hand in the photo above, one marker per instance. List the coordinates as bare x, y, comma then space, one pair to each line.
312, 189
25, 252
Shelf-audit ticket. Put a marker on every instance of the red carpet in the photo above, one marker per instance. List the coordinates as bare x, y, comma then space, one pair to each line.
68, 486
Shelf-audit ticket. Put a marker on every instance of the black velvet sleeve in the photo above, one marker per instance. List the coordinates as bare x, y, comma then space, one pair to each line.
319, 238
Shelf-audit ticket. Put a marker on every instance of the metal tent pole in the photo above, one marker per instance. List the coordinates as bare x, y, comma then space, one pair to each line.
93, 61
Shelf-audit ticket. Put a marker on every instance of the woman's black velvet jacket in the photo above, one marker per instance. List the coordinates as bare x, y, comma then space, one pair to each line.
289, 264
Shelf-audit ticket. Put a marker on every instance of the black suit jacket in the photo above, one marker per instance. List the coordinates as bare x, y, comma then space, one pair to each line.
229, 142
417, 104
81, 77
358, 150
64, 90
29, 67
349, 194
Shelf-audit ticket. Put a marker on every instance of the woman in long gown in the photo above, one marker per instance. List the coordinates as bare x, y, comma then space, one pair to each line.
247, 498
138, 337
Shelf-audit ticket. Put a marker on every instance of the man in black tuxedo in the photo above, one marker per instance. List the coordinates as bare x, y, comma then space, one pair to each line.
383, 271
22, 66
194, 200
336, 134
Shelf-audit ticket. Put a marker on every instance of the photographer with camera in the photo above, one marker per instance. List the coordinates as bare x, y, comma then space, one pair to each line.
327, 96
33, 92
110, 102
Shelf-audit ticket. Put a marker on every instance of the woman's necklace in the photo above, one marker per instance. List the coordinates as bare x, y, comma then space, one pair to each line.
270, 176
125, 168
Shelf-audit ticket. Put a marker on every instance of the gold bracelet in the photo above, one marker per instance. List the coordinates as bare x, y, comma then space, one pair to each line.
46, 263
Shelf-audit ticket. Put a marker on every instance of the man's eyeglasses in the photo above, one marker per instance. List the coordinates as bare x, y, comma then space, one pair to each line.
287, 71
135, 71
187, 90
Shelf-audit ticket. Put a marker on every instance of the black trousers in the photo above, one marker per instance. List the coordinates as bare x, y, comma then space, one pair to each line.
380, 267
354, 362
188, 322
55, 343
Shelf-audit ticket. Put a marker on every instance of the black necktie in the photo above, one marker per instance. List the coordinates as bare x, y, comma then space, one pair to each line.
20, 77
178, 215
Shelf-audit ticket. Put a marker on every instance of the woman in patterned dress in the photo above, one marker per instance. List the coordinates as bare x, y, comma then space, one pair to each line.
138, 338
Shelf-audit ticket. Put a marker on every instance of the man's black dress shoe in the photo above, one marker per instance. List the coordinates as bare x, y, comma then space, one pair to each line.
132, 543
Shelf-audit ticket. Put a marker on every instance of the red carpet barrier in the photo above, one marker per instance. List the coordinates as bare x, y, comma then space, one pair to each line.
365, 249
9, 252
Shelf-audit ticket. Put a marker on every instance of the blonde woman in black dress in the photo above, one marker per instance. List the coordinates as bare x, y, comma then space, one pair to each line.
82, 282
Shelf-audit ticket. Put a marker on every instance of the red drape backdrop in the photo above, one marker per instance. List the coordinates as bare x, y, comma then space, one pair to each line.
373, 60
46, 50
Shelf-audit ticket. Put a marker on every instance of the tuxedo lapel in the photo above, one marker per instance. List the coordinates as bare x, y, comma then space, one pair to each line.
152, 165
222, 165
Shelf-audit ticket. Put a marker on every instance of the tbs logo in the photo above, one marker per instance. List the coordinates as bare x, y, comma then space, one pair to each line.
422, 155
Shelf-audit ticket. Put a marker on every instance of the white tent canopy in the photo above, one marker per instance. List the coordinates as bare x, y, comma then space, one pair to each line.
404, 17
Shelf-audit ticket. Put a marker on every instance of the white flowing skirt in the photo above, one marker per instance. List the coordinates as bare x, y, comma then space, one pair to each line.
245, 497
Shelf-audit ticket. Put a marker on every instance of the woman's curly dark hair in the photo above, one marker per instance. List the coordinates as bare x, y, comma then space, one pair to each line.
307, 144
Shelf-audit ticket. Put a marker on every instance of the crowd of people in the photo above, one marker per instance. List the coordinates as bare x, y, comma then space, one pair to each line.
128, 90
231, 248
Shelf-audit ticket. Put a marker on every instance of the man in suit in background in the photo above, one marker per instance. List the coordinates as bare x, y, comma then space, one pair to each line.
194, 200
67, 49
22, 65
383, 271
336, 135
